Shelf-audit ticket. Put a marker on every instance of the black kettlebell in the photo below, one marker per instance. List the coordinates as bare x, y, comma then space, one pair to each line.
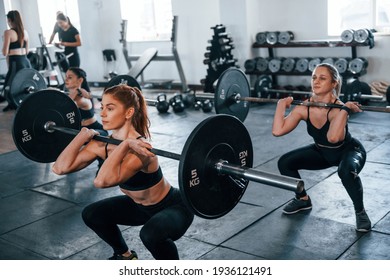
176, 103
197, 105
162, 104
188, 100
207, 106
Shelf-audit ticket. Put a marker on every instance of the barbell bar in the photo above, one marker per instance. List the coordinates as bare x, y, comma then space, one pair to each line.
264, 83
232, 96
213, 174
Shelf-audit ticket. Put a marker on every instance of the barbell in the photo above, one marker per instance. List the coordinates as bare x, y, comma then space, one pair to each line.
354, 91
215, 164
232, 96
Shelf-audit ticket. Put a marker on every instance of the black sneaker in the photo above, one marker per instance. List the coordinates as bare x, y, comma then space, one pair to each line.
297, 205
132, 257
363, 223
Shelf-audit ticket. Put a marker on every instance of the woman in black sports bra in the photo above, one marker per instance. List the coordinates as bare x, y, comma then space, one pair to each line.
15, 49
148, 199
333, 144
77, 86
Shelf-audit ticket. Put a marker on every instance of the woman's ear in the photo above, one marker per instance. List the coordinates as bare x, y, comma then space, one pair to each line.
129, 113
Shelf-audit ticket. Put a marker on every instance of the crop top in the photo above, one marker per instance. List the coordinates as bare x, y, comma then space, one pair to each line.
16, 45
320, 134
141, 180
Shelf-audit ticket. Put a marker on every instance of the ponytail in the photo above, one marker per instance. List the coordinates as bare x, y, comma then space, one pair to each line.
140, 119
16, 19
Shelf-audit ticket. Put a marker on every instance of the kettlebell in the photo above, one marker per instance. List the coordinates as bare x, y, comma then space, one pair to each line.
197, 105
176, 103
162, 104
188, 100
207, 106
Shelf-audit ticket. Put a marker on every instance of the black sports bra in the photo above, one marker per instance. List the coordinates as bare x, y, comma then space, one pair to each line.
141, 180
320, 134
16, 45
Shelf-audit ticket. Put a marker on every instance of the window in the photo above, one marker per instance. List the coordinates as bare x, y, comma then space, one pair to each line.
147, 20
48, 13
358, 14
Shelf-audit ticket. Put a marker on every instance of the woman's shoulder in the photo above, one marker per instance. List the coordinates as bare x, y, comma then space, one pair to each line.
10, 32
73, 29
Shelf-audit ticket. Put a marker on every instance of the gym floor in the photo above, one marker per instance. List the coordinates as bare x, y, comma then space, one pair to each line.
40, 211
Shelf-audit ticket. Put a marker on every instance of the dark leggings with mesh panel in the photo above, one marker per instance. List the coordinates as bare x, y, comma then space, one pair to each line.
350, 159
163, 223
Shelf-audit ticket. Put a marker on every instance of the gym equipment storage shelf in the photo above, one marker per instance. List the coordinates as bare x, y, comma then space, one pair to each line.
307, 44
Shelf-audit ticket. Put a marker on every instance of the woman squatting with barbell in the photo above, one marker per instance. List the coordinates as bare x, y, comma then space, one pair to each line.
333, 143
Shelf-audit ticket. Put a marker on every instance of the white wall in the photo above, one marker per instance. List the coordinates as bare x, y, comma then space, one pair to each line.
307, 19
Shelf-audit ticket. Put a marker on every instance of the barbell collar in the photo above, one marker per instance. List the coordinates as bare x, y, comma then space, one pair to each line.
275, 180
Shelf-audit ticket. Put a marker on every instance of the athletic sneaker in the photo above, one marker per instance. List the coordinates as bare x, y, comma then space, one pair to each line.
363, 223
297, 205
133, 256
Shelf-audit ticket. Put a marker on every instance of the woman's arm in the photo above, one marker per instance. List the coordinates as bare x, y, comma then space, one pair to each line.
6, 42
336, 132
75, 156
284, 124
126, 159
26, 38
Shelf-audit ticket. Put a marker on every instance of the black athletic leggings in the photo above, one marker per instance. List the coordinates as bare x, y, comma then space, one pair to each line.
350, 159
15, 63
163, 223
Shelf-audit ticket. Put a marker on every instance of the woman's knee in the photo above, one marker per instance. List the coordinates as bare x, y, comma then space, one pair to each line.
89, 214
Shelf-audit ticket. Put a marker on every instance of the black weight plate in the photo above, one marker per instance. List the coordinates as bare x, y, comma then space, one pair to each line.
250, 65
123, 79
206, 193
25, 82
28, 132
231, 82
262, 84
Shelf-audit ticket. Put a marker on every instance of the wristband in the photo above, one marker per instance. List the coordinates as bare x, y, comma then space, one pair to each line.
345, 108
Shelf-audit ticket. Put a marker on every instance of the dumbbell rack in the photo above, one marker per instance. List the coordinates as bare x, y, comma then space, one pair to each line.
306, 44
218, 57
